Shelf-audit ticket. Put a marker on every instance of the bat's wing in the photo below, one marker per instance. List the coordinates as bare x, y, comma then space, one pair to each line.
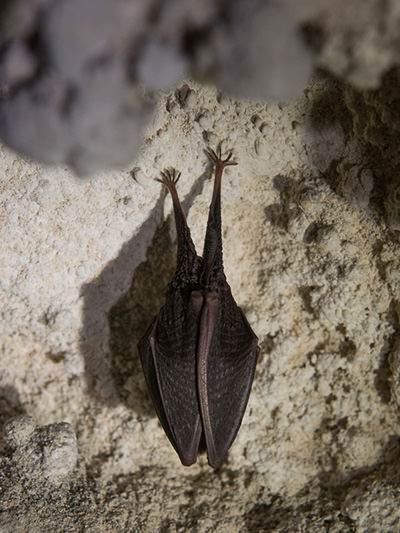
227, 355
168, 353
146, 356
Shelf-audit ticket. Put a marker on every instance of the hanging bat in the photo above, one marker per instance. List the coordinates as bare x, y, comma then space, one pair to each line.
199, 353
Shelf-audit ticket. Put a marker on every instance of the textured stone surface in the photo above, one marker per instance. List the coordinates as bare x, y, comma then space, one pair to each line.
311, 259
47, 453
312, 253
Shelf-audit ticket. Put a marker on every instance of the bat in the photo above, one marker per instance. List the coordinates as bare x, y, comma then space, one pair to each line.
199, 353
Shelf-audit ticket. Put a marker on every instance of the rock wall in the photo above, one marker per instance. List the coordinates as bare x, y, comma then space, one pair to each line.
312, 253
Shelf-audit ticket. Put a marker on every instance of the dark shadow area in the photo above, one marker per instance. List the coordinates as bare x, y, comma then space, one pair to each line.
279, 214
119, 306
99, 297
132, 314
372, 119
315, 232
305, 293
10, 407
267, 517
328, 107
328, 509
384, 379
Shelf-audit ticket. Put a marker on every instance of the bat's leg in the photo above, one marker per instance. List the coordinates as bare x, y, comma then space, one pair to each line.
212, 253
215, 158
170, 177
187, 256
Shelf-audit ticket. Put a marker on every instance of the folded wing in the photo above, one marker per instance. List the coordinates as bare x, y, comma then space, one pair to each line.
227, 355
168, 353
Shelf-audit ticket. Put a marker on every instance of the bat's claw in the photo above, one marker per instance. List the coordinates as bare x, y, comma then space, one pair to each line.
215, 157
169, 177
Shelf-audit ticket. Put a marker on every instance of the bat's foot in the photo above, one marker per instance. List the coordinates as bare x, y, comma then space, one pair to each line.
169, 177
215, 157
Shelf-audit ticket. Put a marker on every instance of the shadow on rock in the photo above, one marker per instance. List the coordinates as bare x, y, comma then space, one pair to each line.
102, 296
328, 501
119, 306
133, 312
10, 405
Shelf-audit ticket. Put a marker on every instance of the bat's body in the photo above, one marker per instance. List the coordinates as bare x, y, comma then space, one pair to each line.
199, 353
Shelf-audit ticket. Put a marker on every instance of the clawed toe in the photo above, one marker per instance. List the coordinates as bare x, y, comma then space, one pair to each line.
215, 157
169, 176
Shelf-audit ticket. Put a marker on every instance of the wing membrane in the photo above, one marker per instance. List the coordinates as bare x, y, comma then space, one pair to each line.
170, 368
226, 370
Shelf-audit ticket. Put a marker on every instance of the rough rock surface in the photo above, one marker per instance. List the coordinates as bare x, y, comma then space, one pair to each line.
305, 216
311, 217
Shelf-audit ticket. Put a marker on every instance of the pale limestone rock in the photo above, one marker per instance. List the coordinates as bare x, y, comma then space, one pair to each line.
48, 453
314, 272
